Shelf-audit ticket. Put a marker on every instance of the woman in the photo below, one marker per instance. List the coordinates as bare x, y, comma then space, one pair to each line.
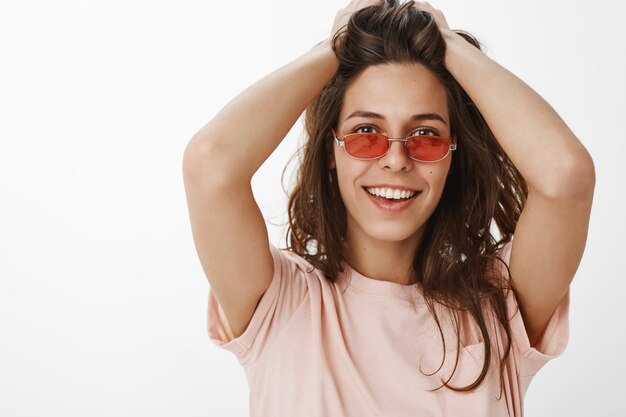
393, 296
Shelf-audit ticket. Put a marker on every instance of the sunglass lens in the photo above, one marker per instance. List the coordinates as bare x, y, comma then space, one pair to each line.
427, 148
366, 145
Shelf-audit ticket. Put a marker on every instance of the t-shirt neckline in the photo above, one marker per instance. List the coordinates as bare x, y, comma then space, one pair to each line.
376, 286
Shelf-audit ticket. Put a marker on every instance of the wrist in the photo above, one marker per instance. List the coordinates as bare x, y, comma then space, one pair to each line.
457, 47
454, 40
449, 35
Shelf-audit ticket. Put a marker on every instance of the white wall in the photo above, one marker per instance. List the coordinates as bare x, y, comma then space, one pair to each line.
102, 297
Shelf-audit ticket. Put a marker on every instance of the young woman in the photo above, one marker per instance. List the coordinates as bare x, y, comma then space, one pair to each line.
393, 297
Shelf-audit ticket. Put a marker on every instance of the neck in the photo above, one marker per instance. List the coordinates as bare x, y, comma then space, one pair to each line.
383, 260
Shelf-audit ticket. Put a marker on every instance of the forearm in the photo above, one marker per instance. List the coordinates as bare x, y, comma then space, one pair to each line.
248, 129
541, 146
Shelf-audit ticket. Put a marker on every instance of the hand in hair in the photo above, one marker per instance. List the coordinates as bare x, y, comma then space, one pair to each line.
440, 19
343, 15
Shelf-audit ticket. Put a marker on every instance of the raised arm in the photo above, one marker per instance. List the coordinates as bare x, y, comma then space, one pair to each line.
551, 232
218, 164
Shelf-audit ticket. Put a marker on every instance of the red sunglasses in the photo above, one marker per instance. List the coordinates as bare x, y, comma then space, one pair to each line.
366, 146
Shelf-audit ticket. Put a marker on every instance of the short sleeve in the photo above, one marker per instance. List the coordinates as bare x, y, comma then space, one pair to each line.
554, 339
285, 294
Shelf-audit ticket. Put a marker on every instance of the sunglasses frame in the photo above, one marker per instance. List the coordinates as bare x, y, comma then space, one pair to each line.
341, 143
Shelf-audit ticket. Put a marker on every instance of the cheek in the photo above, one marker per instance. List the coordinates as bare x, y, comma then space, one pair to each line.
348, 174
344, 166
344, 179
436, 175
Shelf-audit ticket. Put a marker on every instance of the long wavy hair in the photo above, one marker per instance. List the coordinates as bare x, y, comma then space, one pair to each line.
455, 260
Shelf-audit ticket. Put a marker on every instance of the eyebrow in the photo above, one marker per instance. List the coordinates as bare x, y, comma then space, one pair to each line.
415, 117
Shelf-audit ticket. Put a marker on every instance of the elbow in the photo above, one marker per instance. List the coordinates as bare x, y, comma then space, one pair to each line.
207, 166
194, 159
578, 178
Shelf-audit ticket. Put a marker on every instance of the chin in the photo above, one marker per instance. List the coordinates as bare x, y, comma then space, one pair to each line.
385, 233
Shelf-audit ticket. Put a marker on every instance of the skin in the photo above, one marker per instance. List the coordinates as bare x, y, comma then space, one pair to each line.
381, 245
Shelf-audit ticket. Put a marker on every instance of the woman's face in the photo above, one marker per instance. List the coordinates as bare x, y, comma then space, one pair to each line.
396, 92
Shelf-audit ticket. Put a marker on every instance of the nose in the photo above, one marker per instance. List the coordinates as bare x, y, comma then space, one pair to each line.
396, 158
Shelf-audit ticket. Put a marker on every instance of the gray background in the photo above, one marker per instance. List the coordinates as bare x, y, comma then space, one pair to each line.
102, 297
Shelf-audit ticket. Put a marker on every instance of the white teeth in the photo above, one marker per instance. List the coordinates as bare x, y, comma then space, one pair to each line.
391, 194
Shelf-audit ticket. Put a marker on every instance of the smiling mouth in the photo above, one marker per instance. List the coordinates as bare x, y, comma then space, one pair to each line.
392, 200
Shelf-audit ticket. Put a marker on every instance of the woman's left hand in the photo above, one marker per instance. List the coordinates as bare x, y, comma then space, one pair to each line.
440, 19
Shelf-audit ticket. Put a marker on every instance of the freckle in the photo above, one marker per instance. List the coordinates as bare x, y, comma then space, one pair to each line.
431, 172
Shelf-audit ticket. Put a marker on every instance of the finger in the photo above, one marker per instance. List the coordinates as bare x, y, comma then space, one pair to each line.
437, 14
361, 4
343, 15
423, 5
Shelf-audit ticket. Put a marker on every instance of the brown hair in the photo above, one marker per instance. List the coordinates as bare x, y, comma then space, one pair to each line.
455, 261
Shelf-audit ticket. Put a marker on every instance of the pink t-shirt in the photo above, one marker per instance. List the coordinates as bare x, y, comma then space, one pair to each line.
317, 348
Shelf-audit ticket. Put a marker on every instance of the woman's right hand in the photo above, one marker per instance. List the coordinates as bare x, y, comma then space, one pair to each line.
343, 15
